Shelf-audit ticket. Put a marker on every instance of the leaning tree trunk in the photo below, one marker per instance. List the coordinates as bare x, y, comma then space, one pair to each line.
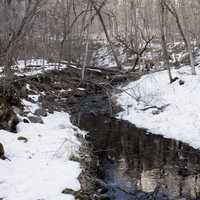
184, 35
163, 40
98, 12
86, 50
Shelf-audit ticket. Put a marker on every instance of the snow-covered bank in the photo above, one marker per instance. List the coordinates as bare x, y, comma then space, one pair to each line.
41, 167
172, 110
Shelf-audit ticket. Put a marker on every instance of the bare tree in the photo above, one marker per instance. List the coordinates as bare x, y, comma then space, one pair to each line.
16, 29
129, 46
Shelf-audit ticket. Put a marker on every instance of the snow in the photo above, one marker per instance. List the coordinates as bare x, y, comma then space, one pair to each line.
69, 90
33, 62
180, 116
36, 66
34, 97
81, 89
104, 58
29, 106
40, 168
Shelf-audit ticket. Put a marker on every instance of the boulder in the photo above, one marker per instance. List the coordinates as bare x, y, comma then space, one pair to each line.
8, 118
35, 119
2, 152
26, 121
41, 112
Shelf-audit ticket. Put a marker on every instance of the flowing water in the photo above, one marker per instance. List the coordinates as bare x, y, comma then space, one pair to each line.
139, 165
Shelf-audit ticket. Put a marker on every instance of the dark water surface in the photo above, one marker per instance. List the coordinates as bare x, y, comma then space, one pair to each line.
139, 165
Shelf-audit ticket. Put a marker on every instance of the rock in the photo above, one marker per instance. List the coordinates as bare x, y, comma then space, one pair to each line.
2, 152
68, 191
181, 82
79, 195
88, 137
185, 59
26, 121
8, 118
72, 100
174, 79
23, 92
155, 112
103, 190
12, 123
35, 119
40, 98
30, 99
50, 110
75, 158
21, 138
41, 112
79, 93
17, 110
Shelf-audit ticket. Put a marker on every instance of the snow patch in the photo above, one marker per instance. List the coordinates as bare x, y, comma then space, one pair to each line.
40, 168
179, 117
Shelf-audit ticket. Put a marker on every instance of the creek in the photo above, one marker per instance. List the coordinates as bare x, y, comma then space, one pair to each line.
136, 164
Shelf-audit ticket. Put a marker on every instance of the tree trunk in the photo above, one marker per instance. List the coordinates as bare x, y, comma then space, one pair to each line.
184, 35
163, 40
86, 51
98, 12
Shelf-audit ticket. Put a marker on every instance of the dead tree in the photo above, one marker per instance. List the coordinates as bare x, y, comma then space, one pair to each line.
15, 35
131, 49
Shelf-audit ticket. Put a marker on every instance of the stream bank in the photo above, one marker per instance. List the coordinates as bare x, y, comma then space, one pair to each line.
119, 161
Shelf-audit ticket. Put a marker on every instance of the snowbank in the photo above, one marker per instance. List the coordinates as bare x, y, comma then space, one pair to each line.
40, 168
36, 66
172, 110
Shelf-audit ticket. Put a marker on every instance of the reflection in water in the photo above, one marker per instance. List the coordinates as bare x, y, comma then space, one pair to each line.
133, 160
